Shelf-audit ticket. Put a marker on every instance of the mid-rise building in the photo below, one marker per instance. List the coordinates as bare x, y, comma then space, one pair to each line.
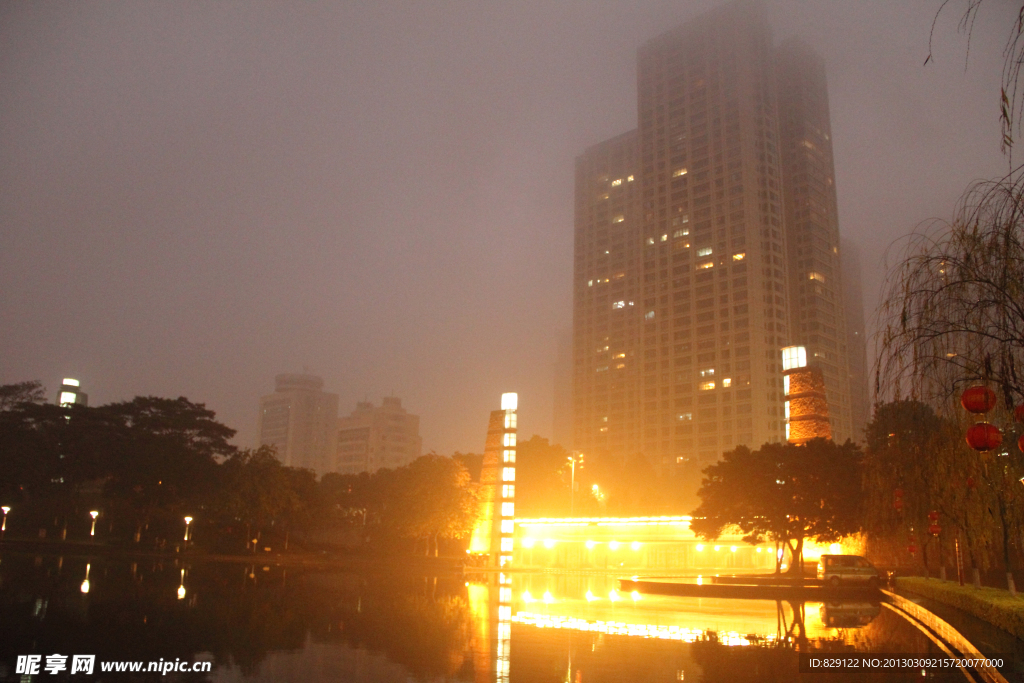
706, 241
300, 421
374, 437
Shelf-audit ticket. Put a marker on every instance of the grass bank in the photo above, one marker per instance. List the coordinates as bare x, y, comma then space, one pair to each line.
995, 606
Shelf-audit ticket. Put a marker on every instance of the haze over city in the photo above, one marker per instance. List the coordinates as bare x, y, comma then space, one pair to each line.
194, 198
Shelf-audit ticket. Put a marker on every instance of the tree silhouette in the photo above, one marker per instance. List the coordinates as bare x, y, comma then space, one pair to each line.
784, 493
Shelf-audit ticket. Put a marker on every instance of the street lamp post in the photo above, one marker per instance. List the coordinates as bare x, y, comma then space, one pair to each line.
575, 459
3, 527
94, 514
188, 523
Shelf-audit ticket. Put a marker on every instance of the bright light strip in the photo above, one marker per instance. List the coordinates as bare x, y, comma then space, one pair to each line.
681, 633
603, 521
509, 401
69, 382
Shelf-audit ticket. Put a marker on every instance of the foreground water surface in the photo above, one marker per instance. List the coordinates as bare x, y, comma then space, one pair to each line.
258, 622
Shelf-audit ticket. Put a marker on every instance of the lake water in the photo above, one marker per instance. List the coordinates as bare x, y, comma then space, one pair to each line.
272, 623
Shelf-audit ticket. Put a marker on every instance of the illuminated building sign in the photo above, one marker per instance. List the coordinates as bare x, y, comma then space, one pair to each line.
493, 534
806, 407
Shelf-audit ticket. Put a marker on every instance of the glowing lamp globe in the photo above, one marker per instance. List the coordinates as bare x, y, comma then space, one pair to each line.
970, 480
934, 529
898, 504
912, 548
898, 493
933, 516
978, 400
984, 437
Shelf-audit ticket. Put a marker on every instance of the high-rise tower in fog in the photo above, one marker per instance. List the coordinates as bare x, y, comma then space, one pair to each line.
706, 241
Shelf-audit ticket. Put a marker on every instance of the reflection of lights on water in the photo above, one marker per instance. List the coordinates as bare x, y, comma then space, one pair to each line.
614, 545
635, 545
689, 635
590, 545
527, 598
528, 542
613, 595
549, 543
547, 598
733, 549
700, 580
85, 584
181, 588
635, 595
591, 596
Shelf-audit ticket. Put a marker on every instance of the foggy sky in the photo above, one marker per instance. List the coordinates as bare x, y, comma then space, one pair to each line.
195, 197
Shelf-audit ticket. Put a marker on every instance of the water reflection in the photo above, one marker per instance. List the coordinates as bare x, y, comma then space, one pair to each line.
260, 622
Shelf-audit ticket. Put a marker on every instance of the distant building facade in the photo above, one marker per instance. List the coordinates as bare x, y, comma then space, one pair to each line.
372, 437
71, 393
856, 341
300, 421
706, 240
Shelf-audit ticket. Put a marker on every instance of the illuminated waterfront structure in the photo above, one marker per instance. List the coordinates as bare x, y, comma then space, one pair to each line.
493, 535
706, 240
647, 544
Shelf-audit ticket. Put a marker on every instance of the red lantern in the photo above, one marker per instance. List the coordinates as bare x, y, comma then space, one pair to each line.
898, 504
1020, 443
978, 400
934, 529
970, 480
912, 548
933, 516
898, 493
984, 437
1018, 413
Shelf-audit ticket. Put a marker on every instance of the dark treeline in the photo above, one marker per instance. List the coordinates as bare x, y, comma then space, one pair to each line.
146, 464
977, 498
915, 493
